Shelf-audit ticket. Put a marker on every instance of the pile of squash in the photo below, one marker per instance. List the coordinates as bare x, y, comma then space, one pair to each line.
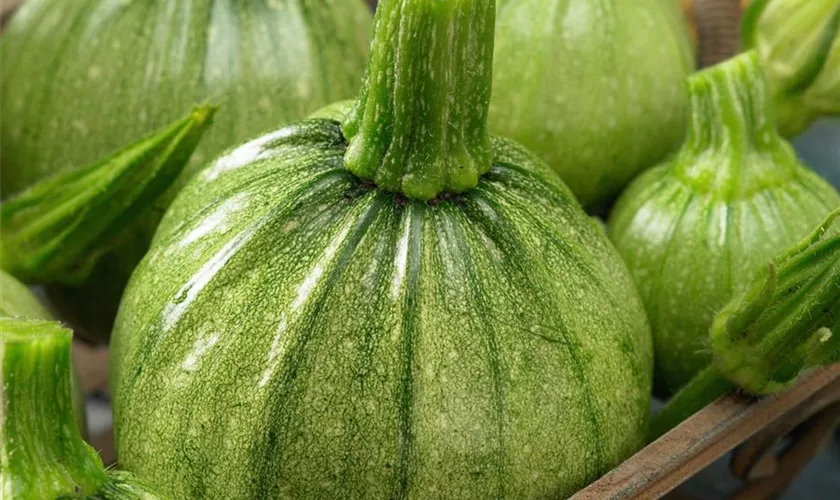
407, 294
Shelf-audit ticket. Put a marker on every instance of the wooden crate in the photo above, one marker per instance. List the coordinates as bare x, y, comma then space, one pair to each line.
807, 415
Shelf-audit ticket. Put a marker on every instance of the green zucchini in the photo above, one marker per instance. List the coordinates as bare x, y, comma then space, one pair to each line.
696, 229
80, 79
593, 88
383, 302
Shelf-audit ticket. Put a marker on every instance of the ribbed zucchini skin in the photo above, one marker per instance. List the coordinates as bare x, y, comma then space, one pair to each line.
82, 78
297, 333
594, 88
718, 244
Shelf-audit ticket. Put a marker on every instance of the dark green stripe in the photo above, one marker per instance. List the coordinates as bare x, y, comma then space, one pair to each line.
478, 291
506, 236
415, 212
269, 453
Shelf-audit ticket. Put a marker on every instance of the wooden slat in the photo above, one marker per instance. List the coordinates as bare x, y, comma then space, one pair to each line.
705, 437
7, 8
813, 436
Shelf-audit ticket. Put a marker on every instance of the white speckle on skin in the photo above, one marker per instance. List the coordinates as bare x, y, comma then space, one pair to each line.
245, 154
315, 274
176, 308
202, 345
94, 72
400, 261
216, 221
81, 127
277, 348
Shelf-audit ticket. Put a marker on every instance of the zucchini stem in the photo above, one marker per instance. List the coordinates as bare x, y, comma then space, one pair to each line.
43, 454
785, 324
419, 127
705, 387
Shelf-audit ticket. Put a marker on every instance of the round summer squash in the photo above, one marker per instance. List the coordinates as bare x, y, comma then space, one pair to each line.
387, 304
696, 229
80, 79
593, 88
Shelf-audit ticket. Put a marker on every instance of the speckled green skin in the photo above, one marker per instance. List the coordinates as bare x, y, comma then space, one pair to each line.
592, 87
695, 230
99, 74
17, 301
295, 332
80, 79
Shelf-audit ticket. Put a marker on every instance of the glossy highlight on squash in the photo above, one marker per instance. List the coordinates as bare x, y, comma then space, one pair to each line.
302, 332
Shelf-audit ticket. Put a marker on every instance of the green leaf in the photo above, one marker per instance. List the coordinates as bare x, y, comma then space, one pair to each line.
55, 231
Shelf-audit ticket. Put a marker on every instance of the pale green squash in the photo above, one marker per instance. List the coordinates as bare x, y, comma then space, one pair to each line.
696, 229
594, 88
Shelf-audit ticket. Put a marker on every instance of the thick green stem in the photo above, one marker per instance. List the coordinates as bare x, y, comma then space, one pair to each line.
419, 127
705, 387
17, 301
55, 231
786, 323
732, 146
731, 108
43, 455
